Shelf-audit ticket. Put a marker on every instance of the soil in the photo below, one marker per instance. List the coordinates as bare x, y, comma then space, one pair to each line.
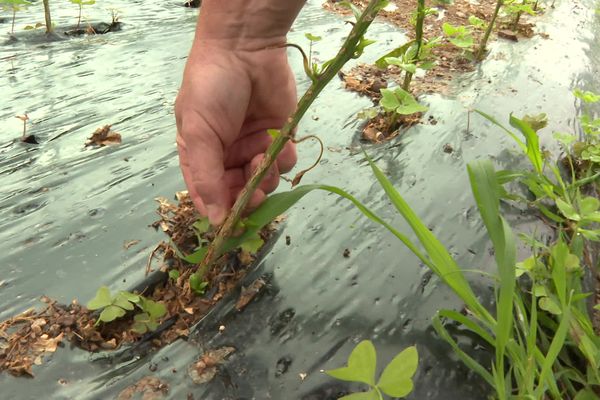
368, 79
26, 338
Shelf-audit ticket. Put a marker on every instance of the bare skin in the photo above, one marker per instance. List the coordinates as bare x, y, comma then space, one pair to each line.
237, 84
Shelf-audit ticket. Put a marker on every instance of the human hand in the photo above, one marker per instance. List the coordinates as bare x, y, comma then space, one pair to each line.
227, 101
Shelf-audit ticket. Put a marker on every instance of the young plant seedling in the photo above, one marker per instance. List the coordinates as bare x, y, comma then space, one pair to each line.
461, 37
114, 307
197, 285
14, 6
397, 102
82, 3
514, 9
395, 380
415, 53
147, 320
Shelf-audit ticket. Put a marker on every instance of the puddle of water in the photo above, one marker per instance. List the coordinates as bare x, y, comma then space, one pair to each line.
66, 211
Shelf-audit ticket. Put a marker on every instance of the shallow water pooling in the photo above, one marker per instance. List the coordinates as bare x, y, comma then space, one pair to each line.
67, 211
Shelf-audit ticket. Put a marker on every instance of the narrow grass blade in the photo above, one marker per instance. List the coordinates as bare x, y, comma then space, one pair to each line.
498, 124
442, 263
465, 358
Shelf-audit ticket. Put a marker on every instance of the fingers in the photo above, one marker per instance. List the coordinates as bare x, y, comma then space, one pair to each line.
246, 148
271, 179
203, 169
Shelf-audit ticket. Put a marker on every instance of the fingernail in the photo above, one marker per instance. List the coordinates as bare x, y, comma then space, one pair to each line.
216, 214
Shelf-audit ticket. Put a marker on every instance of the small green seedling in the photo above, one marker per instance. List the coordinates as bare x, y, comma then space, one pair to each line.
14, 6
477, 22
148, 319
460, 36
395, 380
82, 3
113, 307
515, 9
197, 285
173, 274
399, 101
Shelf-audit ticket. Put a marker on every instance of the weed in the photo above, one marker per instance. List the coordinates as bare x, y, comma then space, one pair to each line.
395, 380
114, 307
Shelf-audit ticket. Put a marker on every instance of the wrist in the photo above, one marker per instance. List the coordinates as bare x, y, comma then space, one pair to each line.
245, 24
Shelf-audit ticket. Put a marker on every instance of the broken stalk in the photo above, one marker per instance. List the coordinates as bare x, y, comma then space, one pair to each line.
347, 52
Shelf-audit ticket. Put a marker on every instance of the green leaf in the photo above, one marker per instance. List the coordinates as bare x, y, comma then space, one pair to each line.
370, 395
274, 133
407, 103
396, 53
564, 138
361, 365
440, 261
252, 245
139, 327
111, 313
588, 205
312, 38
567, 210
201, 226
197, 285
132, 297
396, 378
586, 96
154, 309
477, 22
355, 10
536, 122
532, 142
486, 191
102, 299
174, 274
122, 302
388, 100
548, 304
498, 124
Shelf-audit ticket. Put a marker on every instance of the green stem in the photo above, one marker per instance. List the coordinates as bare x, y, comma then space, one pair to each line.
419, 41
488, 31
12, 29
407, 80
79, 17
346, 53
47, 17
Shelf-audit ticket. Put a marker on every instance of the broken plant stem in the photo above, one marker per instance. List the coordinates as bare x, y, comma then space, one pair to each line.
346, 52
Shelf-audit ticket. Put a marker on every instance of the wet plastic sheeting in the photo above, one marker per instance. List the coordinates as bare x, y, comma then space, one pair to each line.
66, 211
